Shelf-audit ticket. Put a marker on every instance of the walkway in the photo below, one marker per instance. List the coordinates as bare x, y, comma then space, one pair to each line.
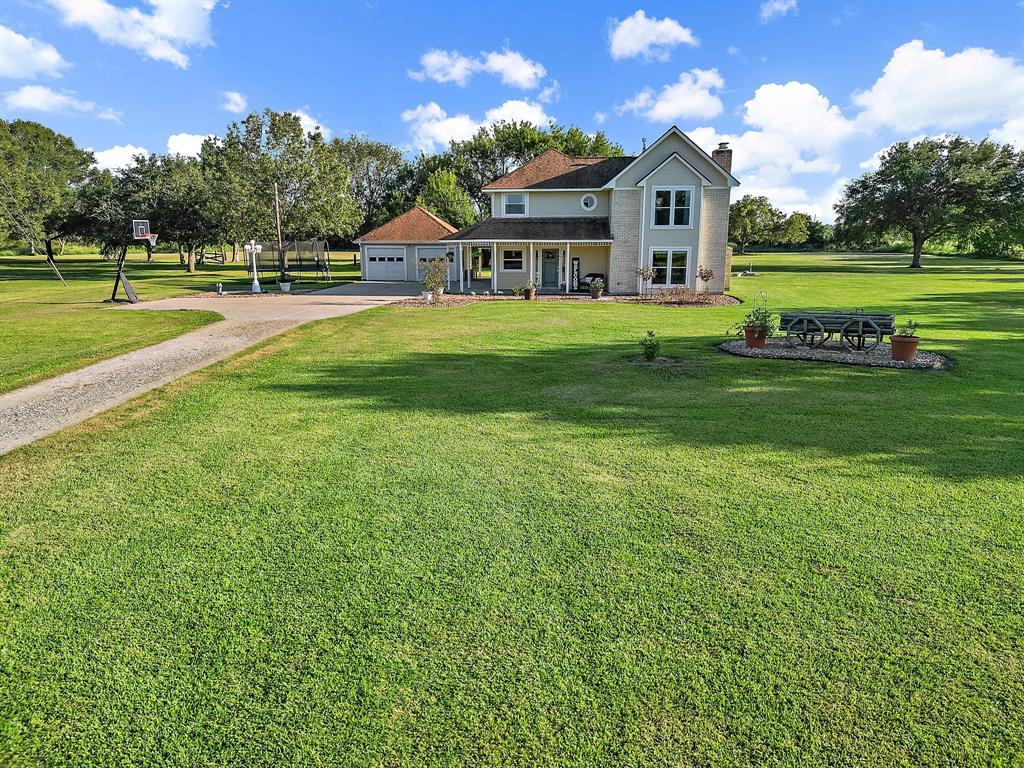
41, 409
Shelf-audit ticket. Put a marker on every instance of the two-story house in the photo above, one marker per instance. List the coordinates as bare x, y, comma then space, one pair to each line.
557, 219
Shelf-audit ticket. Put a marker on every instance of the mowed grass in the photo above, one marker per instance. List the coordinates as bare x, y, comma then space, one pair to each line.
48, 328
483, 536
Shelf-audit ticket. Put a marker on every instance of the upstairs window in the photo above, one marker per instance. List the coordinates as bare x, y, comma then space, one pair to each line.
515, 203
672, 206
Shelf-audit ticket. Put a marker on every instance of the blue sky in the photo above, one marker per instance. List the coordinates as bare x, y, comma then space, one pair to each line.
805, 92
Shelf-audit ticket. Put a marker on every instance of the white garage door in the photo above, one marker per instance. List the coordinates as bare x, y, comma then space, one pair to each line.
426, 252
385, 263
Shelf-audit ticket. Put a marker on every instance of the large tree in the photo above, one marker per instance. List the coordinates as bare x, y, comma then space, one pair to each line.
755, 220
40, 173
443, 196
933, 188
376, 172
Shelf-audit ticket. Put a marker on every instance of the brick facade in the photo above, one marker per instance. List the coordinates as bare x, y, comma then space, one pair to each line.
714, 235
625, 226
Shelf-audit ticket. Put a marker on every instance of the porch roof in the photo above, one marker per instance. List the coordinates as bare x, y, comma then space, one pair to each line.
569, 229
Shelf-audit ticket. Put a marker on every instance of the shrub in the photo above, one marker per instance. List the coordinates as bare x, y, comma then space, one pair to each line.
706, 275
676, 293
645, 274
517, 290
435, 275
649, 346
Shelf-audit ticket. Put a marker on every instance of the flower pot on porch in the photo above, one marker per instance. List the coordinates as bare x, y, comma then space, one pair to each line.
596, 293
904, 348
754, 336
530, 294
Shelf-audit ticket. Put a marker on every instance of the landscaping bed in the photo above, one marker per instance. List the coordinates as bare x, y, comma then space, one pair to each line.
879, 357
691, 300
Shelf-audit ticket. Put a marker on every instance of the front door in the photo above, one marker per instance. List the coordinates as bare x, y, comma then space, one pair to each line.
549, 269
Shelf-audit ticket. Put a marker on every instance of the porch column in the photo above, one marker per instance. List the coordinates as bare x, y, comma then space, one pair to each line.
532, 265
462, 270
568, 264
494, 267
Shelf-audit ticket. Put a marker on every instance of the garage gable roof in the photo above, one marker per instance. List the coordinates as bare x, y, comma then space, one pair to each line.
417, 225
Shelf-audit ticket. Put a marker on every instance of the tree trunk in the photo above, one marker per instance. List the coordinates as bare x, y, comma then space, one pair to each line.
149, 251
191, 260
49, 249
61, 241
181, 255
918, 245
234, 252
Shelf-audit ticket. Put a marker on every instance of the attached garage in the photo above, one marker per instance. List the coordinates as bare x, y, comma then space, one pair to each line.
385, 262
395, 250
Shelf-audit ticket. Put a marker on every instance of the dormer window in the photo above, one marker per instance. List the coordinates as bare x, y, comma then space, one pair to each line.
515, 203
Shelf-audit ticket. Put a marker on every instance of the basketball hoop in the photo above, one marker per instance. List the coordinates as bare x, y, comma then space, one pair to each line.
140, 231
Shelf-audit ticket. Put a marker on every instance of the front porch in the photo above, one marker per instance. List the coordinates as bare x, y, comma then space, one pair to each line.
555, 267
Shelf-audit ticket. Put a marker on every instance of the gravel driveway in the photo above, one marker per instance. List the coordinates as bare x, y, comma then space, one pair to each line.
41, 409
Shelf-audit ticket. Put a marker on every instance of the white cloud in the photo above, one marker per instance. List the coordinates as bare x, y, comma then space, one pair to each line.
551, 93
234, 102
922, 88
172, 26
689, 97
795, 131
430, 126
600, 117
732, 50
649, 38
41, 98
26, 58
310, 124
186, 144
118, 157
512, 67
445, 67
771, 9
1011, 132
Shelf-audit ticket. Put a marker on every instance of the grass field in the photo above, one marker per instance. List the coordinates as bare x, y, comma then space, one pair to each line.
482, 536
50, 328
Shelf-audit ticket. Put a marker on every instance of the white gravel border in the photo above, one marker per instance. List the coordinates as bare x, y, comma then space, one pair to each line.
879, 357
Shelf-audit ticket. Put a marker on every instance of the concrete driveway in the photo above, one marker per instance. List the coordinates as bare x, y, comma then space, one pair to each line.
41, 409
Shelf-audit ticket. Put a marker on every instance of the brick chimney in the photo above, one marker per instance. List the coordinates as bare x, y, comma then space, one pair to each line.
723, 156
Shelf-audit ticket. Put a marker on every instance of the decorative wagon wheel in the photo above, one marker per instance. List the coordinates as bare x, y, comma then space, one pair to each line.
855, 335
805, 331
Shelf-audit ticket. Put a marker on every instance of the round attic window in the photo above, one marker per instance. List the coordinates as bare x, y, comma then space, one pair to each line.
588, 202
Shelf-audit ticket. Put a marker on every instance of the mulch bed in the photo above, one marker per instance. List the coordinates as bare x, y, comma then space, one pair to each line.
461, 300
879, 357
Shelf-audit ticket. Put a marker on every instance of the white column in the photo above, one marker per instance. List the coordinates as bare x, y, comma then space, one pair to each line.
568, 264
494, 267
462, 270
533, 266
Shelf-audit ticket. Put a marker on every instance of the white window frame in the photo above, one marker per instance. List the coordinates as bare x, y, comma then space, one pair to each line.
596, 202
522, 259
672, 208
505, 201
672, 251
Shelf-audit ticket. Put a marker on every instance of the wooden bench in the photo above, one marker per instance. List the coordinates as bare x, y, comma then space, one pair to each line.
857, 331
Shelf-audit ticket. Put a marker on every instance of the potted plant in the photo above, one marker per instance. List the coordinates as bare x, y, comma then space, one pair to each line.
596, 288
517, 290
530, 291
904, 342
758, 325
435, 275
285, 281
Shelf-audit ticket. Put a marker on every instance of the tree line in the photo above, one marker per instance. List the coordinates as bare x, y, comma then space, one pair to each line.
943, 190
51, 191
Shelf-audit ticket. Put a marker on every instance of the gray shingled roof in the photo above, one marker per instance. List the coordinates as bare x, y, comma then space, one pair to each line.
540, 228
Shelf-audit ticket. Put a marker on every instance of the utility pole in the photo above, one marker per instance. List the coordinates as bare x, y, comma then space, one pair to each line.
280, 240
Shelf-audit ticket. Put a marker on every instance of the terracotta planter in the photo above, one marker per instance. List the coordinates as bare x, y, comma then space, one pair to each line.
530, 294
754, 336
904, 348
596, 293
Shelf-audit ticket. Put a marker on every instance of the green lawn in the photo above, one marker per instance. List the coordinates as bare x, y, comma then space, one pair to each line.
49, 329
481, 536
